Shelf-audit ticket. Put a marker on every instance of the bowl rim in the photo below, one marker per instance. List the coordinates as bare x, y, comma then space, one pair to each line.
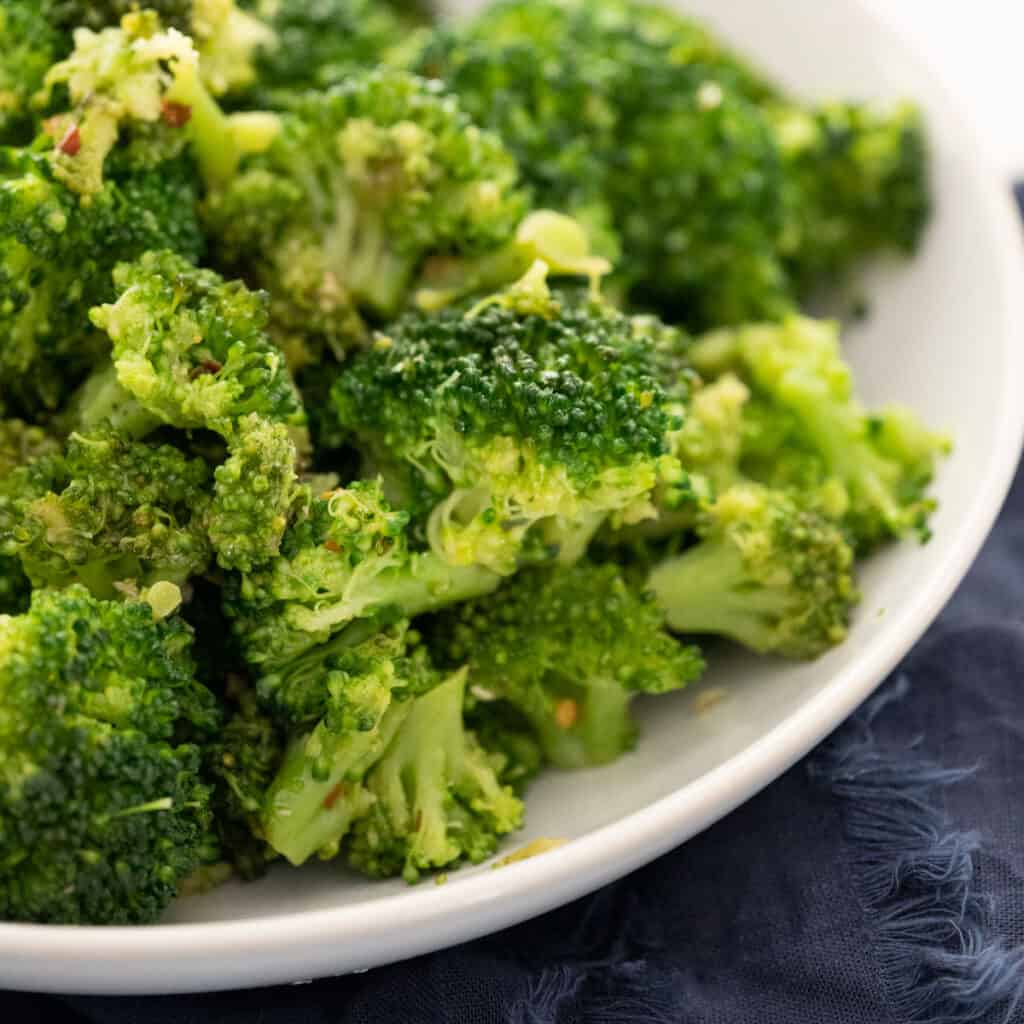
400, 925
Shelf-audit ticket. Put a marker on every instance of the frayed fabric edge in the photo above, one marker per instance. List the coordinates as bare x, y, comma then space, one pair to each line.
939, 957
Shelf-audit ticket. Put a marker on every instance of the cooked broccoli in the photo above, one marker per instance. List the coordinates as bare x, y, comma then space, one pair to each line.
56, 255
343, 702
804, 394
860, 182
319, 43
109, 513
363, 182
767, 571
347, 559
503, 428
29, 44
569, 648
102, 810
437, 798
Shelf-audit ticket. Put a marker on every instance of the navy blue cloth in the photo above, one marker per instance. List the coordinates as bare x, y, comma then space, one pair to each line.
880, 881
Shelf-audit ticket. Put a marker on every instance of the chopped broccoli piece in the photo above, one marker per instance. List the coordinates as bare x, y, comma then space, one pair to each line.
347, 559
436, 794
804, 395
29, 44
568, 648
363, 182
102, 810
497, 423
767, 571
109, 513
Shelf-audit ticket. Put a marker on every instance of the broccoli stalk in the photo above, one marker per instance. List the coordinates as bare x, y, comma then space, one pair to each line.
435, 793
767, 571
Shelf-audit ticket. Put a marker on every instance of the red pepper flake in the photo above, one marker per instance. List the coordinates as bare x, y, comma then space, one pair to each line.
71, 143
177, 115
332, 546
335, 794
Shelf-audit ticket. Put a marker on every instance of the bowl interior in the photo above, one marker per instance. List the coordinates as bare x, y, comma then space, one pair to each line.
941, 337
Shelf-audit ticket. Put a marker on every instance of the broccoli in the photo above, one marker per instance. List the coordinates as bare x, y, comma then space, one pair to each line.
102, 809
363, 182
860, 181
805, 404
29, 44
138, 98
343, 703
56, 255
319, 43
569, 649
509, 431
767, 570
436, 794
108, 513
348, 558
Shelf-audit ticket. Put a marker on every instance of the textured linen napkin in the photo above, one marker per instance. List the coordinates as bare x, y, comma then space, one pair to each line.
880, 881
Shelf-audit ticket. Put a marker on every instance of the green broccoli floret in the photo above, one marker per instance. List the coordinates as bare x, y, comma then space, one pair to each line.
102, 810
343, 703
56, 256
137, 87
363, 182
569, 649
97, 14
229, 40
806, 409
347, 559
767, 571
507, 430
110, 513
437, 798
860, 182
29, 44
319, 43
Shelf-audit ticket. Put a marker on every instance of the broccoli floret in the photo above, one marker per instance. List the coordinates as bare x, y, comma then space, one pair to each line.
503, 428
436, 794
56, 256
137, 87
767, 571
319, 43
569, 649
97, 14
109, 513
347, 559
191, 347
255, 494
102, 810
229, 40
343, 702
363, 182
29, 44
806, 408
860, 182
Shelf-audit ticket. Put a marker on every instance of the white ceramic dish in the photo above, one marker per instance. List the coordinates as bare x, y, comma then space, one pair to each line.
945, 336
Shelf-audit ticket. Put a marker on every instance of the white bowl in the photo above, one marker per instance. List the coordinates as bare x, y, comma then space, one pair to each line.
945, 337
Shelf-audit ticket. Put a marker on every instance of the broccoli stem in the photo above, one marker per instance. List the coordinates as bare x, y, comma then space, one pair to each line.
707, 589
318, 792
103, 400
602, 732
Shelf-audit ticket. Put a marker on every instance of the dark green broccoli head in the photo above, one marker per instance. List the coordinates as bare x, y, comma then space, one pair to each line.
859, 177
506, 420
768, 571
318, 43
569, 649
363, 182
56, 257
107, 512
191, 347
436, 795
102, 811
347, 558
